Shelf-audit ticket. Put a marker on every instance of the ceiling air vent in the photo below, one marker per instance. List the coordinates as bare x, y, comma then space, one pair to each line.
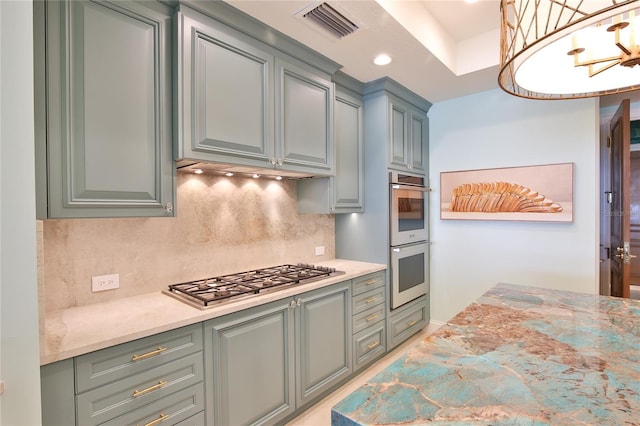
331, 20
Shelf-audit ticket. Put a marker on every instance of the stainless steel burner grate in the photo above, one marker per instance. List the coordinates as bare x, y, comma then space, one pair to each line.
217, 289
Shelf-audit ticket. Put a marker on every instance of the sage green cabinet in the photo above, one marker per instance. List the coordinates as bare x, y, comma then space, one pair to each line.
407, 320
369, 318
158, 378
343, 193
266, 362
396, 122
408, 133
243, 102
103, 109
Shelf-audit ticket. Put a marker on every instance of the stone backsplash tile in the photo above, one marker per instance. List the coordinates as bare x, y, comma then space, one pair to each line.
222, 225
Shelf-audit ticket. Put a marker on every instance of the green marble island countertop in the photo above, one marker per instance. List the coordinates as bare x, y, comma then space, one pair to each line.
516, 356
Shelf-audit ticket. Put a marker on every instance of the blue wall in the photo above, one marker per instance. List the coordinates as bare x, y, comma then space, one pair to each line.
491, 130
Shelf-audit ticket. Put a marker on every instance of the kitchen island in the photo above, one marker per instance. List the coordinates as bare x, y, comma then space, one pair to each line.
518, 355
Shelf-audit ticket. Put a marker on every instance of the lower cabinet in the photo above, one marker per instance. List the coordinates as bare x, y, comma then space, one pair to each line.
369, 326
266, 362
407, 320
158, 379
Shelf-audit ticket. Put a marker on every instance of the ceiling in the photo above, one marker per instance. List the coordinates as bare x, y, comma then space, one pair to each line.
440, 49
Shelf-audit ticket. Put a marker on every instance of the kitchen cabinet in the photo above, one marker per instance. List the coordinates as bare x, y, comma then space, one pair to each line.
268, 361
407, 320
408, 131
343, 193
243, 102
401, 120
103, 109
157, 378
369, 326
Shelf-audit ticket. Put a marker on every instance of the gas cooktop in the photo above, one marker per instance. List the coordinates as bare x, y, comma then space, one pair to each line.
212, 291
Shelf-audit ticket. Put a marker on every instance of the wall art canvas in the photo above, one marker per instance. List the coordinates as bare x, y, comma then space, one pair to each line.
528, 193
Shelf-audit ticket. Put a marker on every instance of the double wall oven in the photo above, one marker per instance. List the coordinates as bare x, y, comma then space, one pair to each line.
409, 235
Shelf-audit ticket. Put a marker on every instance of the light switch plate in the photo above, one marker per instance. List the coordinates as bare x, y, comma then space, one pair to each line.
319, 250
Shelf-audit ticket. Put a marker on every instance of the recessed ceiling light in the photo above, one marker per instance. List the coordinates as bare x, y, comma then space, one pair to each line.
382, 59
470, 1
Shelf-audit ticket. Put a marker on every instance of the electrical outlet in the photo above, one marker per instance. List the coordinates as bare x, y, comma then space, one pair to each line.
105, 282
319, 250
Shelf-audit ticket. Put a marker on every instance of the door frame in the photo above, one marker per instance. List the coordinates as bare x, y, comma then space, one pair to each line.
605, 186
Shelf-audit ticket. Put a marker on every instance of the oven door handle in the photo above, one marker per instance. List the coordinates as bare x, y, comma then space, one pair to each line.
410, 187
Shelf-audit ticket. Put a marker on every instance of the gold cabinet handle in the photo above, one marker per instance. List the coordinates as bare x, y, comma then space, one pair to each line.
137, 393
412, 322
373, 345
160, 419
148, 354
370, 300
372, 317
370, 282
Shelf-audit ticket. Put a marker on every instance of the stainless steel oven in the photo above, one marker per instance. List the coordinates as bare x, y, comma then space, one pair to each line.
409, 232
409, 272
408, 208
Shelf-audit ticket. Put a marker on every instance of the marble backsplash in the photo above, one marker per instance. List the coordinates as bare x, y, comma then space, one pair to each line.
222, 225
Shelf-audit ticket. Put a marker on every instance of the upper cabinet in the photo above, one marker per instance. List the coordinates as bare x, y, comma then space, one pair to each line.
103, 109
343, 193
402, 118
243, 102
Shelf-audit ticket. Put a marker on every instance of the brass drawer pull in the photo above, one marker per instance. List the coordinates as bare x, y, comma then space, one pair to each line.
370, 282
372, 317
160, 419
370, 300
373, 345
412, 322
137, 393
148, 354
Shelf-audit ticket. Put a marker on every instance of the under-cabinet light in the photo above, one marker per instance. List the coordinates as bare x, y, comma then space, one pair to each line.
198, 171
228, 174
256, 176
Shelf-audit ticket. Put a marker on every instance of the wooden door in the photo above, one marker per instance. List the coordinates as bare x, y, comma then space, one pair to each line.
620, 209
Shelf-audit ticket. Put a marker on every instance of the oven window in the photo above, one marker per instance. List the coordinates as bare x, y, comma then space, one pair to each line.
410, 212
411, 271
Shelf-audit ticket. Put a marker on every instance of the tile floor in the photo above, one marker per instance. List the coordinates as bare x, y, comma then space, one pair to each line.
320, 413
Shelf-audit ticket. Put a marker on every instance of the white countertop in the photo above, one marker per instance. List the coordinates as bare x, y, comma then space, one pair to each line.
83, 329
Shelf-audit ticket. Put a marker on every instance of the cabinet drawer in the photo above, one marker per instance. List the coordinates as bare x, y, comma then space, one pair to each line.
195, 420
368, 318
368, 300
117, 362
179, 408
115, 399
368, 344
406, 322
368, 282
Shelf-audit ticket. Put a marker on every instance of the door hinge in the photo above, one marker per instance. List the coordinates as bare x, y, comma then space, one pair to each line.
609, 196
608, 141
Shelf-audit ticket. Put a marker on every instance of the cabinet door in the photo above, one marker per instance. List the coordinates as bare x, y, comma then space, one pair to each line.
419, 132
349, 138
323, 340
251, 365
304, 120
108, 109
398, 135
225, 90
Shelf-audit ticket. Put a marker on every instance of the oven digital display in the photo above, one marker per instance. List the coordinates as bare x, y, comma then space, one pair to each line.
411, 271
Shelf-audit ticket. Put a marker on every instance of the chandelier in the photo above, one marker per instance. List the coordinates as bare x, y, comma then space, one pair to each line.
566, 49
